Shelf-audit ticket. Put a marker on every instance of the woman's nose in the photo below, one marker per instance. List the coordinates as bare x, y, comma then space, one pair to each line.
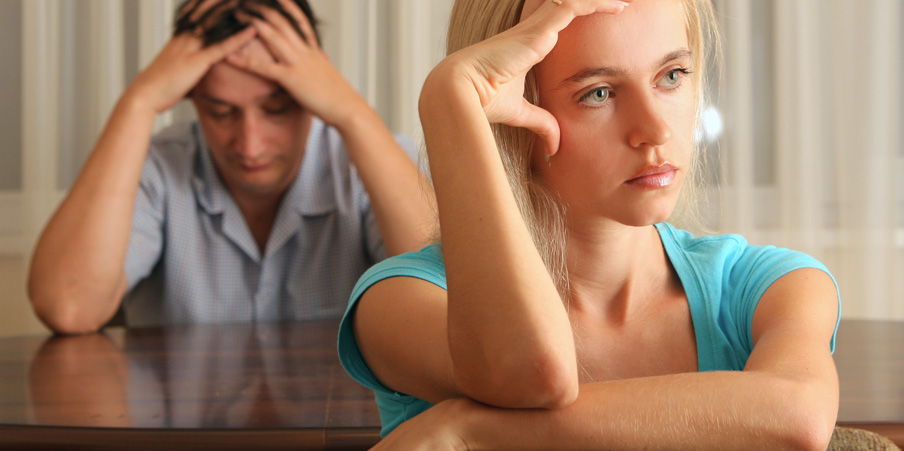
649, 127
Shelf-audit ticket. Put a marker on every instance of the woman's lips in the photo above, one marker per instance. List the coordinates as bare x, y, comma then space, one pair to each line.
654, 177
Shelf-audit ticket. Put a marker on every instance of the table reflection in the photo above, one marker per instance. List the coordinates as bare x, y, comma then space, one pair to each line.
263, 376
280, 386
80, 381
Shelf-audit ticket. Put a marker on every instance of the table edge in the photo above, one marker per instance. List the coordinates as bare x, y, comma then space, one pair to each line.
73, 437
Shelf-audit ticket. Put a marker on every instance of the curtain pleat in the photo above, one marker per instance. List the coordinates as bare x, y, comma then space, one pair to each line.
833, 105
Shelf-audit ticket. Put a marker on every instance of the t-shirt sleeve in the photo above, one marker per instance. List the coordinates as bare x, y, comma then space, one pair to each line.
146, 239
755, 271
426, 264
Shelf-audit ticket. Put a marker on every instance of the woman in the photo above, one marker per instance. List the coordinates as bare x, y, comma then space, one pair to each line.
561, 312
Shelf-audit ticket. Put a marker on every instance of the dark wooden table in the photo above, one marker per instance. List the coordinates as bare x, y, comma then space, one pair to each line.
280, 386
260, 386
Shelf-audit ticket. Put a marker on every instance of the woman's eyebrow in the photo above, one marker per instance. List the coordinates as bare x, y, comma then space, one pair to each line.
682, 53
593, 72
614, 72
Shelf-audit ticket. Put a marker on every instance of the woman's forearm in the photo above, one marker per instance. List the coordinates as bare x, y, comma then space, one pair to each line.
509, 334
716, 410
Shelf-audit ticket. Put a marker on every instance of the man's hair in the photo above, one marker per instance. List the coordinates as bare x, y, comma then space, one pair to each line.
219, 22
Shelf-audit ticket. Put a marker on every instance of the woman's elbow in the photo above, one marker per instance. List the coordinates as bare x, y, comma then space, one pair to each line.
543, 384
809, 434
810, 422
557, 384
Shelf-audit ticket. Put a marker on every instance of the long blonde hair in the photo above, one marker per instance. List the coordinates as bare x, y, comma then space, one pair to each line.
473, 21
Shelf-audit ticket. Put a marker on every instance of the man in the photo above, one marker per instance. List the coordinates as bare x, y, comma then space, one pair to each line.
268, 208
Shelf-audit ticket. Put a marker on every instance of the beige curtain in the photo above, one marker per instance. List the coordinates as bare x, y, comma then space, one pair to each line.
810, 147
813, 150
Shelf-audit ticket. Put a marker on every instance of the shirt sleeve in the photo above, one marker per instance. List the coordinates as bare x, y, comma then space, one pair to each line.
146, 239
755, 271
425, 264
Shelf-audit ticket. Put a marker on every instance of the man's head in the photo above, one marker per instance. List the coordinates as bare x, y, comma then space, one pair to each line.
255, 130
220, 22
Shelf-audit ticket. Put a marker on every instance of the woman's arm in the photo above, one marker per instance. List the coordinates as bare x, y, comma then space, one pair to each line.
786, 398
500, 335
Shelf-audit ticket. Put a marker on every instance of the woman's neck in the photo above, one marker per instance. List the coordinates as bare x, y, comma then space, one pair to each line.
616, 271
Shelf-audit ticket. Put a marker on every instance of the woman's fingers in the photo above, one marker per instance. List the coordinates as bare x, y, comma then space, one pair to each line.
542, 123
578, 7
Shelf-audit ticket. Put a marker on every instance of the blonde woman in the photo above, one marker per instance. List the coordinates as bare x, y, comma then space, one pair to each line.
560, 310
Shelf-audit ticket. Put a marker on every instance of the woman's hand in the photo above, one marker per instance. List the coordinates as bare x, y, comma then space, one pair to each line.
497, 66
181, 65
299, 65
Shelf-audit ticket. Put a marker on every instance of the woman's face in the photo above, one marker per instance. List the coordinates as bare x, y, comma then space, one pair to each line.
619, 88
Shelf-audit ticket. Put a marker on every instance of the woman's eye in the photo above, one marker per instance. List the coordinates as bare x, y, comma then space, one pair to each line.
673, 77
596, 97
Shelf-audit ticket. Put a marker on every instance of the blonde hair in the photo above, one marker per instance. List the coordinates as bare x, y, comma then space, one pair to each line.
473, 21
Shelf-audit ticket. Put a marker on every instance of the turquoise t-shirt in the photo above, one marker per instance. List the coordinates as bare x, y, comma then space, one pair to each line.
723, 278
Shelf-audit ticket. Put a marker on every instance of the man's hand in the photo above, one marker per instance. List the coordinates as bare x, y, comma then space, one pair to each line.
181, 65
298, 65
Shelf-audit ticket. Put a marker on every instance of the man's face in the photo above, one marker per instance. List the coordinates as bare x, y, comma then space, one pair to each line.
255, 130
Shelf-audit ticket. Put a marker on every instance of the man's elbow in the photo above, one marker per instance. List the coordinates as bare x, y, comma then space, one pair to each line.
62, 313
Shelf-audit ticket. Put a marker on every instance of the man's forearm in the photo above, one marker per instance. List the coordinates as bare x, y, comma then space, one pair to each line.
77, 279
401, 196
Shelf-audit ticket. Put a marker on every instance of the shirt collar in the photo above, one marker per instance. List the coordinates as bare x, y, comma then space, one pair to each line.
209, 189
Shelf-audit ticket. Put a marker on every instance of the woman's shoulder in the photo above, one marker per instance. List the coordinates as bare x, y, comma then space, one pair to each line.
726, 250
426, 264
682, 239
725, 277
729, 261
